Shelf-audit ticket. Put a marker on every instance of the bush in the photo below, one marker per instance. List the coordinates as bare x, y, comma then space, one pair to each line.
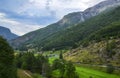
110, 69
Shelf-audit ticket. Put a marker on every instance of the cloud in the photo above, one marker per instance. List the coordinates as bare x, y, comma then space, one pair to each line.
17, 27
55, 8
23, 16
63, 7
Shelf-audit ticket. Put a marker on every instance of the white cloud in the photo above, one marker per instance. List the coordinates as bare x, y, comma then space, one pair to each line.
44, 8
2, 15
63, 7
34, 8
15, 26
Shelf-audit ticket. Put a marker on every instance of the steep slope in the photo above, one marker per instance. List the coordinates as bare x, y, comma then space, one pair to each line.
78, 34
96, 53
6, 33
112, 30
103, 6
39, 37
43, 33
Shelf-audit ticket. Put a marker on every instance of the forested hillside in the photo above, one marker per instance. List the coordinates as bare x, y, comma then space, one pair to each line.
67, 33
80, 34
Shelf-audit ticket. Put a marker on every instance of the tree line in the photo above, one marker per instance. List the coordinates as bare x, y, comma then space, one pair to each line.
7, 65
40, 64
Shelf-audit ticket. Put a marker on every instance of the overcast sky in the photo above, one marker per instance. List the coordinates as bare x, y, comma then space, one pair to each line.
23, 16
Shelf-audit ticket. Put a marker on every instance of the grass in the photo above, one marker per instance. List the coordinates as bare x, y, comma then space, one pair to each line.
37, 75
85, 72
56, 74
90, 73
51, 59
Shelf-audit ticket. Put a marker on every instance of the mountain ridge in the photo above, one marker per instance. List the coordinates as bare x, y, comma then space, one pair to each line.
79, 34
68, 21
6, 33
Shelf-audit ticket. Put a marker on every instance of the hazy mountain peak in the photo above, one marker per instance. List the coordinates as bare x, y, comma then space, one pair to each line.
6, 33
102, 6
75, 17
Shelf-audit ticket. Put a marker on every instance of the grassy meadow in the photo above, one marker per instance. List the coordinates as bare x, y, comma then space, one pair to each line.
86, 72
91, 73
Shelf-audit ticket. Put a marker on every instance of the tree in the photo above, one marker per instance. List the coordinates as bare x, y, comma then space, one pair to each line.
36, 64
18, 60
46, 70
7, 68
109, 48
66, 69
61, 55
29, 61
70, 71
56, 64
110, 68
59, 64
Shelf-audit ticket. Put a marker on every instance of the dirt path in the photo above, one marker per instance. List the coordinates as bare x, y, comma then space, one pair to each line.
27, 74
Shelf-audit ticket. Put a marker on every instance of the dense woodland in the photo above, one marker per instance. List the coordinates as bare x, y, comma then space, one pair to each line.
7, 65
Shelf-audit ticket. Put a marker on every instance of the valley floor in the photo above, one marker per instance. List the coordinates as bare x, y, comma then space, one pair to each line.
83, 72
91, 73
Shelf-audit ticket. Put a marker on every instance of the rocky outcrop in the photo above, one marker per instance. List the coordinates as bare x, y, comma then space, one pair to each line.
77, 17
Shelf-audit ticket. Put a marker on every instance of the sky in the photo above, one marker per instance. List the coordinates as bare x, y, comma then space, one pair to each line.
23, 16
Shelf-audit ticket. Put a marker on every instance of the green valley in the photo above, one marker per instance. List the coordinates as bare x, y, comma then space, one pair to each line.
82, 44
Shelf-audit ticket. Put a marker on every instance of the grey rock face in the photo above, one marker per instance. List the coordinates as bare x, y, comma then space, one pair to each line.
6, 33
103, 6
90, 12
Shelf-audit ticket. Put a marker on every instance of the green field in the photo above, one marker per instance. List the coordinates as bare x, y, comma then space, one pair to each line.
90, 73
85, 72
51, 59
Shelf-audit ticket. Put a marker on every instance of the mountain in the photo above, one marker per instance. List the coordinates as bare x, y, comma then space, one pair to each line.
77, 17
7, 34
90, 12
40, 37
103, 6
93, 29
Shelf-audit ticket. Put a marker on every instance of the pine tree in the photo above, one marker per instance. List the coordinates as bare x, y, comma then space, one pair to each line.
70, 71
7, 68
61, 55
